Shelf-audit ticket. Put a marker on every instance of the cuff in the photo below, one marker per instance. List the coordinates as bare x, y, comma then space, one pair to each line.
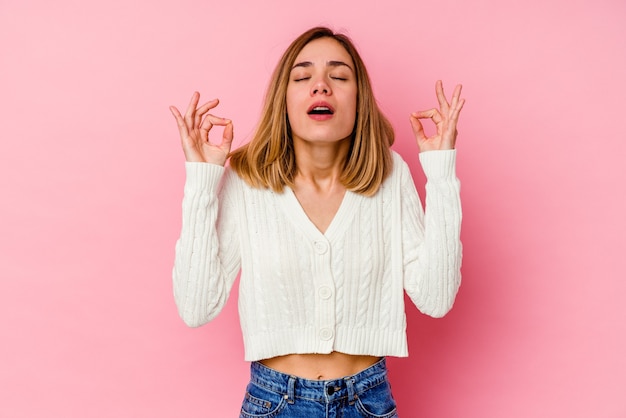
202, 176
439, 164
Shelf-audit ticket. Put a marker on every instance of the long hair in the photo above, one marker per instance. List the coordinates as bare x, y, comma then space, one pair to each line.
268, 160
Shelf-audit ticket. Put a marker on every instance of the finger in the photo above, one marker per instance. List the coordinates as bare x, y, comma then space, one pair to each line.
441, 97
191, 110
227, 137
175, 112
429, 114
418, 128
215, 120
182, 128
208, 106
456, 95
203, 109
208, 123
205, 127
455, 112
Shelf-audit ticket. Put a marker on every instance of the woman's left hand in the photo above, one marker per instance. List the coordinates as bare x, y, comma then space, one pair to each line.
445, 119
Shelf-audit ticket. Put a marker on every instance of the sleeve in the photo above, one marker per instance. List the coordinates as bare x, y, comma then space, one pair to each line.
207, 257
432, 249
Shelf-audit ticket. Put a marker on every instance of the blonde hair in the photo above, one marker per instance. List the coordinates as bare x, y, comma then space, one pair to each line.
268, 160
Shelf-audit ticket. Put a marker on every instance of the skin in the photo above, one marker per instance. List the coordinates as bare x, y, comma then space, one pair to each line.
323, 73
320, 147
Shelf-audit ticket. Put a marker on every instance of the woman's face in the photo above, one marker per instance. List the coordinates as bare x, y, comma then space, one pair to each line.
322, 93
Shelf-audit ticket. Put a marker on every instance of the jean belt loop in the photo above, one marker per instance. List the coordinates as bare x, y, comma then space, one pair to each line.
352, 397
291, 390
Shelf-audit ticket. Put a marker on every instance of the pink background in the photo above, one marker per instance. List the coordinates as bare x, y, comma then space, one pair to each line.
91, 177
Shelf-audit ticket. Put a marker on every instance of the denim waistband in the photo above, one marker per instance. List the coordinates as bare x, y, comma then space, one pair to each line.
293, 387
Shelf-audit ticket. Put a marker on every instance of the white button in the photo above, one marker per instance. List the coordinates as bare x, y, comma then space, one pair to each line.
325, 292
320, 247
326, 334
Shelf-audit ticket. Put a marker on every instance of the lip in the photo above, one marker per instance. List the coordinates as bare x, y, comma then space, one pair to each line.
320, 104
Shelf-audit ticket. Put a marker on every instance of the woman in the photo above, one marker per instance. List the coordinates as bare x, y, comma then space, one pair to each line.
326, 227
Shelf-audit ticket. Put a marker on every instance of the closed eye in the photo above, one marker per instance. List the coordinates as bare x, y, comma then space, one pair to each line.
301, 78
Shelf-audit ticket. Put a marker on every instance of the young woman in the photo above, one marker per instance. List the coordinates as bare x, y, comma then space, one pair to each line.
325, 225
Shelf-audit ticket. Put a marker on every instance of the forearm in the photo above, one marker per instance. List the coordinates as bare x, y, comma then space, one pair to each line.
204, 266
434, 250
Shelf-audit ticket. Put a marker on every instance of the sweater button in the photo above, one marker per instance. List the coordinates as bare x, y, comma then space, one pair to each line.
320, 247
326, 334
325, 292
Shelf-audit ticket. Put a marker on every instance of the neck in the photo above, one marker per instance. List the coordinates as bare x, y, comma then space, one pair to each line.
320, 163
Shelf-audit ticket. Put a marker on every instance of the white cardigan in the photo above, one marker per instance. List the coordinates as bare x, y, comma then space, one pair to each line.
302, 291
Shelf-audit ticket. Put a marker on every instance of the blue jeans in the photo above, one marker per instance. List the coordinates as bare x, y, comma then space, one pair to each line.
273, 394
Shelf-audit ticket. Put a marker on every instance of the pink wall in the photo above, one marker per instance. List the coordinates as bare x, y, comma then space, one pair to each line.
91, 179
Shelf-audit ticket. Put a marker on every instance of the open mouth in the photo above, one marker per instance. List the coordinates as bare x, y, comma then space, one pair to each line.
321, 109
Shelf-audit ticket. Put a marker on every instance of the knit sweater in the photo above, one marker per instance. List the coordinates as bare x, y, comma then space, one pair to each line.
304, 291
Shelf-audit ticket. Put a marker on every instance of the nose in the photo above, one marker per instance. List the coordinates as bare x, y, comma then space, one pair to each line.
320, 87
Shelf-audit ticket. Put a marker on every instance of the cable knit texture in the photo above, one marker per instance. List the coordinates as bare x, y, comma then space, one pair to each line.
302, 291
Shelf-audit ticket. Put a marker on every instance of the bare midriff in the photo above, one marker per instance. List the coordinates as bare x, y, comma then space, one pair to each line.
320, 366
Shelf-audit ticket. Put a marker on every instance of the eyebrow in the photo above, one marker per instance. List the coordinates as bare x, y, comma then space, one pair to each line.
306, 64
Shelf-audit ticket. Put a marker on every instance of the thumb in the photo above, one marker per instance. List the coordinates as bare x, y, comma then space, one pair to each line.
228, 135
418, 129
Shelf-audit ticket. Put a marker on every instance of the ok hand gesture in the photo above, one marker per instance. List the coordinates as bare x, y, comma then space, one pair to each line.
194, 132
445, 118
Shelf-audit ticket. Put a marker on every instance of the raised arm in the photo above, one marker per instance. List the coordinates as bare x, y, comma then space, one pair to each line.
432, 246
207, 253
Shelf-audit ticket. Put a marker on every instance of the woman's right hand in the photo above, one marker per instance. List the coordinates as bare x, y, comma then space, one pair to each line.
194, 132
